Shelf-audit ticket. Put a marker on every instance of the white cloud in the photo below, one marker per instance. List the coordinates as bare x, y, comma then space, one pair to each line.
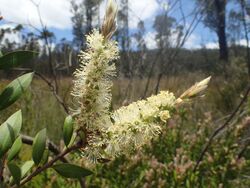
192, 42
55, 13
150, 40
242, 42
141, 10
212, 45
12, 37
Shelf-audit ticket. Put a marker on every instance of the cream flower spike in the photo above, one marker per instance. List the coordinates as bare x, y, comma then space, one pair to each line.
92, 85
109, 134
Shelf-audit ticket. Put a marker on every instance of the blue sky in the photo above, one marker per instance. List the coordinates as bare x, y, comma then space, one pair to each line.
56, 15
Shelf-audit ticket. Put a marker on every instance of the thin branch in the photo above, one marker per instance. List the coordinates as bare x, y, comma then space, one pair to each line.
53, 89
51, 146
219, 129
47, 43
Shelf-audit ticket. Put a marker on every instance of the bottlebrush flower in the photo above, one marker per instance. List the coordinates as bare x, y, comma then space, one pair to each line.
108, 134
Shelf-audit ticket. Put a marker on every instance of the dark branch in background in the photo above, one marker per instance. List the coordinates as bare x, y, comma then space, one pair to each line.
44, 35
219, 129
178, 46
51, 146
53, 89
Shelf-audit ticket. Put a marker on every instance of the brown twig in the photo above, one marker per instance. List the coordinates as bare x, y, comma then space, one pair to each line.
219, 129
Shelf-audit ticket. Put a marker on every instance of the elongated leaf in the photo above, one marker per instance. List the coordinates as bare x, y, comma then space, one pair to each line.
71, 171
14, 150
15, 121
14, 59
7, 138
67, 130
39, 145
9, 130
14, 90
15, 172
26, 168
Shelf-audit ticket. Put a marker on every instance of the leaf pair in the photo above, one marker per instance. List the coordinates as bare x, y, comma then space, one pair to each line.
9, 131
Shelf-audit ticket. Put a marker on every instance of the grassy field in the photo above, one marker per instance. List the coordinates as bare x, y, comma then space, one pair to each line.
169, 160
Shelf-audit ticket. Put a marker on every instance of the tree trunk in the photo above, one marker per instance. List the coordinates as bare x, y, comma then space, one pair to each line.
243, 9
221, 30
89, 19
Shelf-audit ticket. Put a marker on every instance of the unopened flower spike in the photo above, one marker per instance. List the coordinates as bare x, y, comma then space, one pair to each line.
195, 90
109, 23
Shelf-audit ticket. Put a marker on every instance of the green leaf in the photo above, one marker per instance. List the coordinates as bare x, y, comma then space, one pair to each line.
71, 171
72, 139
15, 121
9, 130
15, 172
14, 90
67, 130
7, 137
39, 145
26, 168
15, 149
45, 157
14, 59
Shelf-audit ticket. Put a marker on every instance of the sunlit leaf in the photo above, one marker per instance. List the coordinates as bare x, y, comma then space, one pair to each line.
14, 90
9, 130
26, 168
14, 150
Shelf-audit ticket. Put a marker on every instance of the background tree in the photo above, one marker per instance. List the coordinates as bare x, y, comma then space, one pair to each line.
214, 17
85, 15
122, 36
